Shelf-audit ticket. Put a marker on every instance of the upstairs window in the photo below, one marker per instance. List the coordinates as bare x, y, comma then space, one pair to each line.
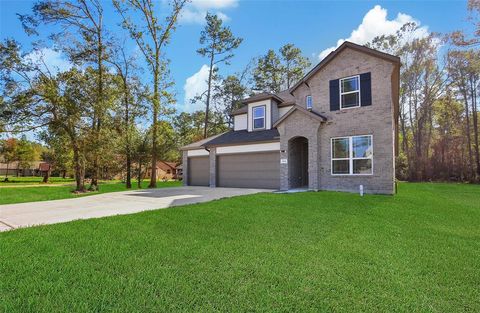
352, 155
308, 102
259, 117
350, 92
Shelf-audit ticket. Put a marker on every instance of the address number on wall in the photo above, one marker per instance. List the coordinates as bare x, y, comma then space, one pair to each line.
283, 161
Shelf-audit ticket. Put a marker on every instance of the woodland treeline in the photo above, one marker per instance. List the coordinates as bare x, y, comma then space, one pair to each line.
114, 111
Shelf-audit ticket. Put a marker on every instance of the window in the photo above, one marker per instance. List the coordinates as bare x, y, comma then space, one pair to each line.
350, 92
308, 102
352, 155
259, 117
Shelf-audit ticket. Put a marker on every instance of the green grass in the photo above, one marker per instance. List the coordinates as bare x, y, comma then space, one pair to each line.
32, 180
42, 193
418, 251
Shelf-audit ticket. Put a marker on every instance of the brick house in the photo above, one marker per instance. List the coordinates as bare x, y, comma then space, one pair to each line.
335, 129
165, 170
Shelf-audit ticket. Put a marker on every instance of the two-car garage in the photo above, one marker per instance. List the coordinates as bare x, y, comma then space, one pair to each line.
248, 166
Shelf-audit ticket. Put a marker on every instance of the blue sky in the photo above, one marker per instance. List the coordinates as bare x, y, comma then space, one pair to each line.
314, 26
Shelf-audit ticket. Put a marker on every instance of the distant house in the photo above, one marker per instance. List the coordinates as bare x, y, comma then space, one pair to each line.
35, 169
165, 170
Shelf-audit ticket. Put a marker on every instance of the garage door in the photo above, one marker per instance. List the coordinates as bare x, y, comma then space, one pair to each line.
198, 171
249, 170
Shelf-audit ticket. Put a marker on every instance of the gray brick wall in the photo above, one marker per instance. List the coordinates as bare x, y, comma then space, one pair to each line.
298, 124
377, 120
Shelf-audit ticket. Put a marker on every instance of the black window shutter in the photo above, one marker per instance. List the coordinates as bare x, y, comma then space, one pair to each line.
334, 95
366, 89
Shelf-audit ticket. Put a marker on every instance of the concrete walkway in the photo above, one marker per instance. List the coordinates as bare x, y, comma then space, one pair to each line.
50, 212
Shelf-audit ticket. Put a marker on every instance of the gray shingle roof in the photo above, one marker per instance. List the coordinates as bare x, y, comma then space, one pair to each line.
283, 98
243, 136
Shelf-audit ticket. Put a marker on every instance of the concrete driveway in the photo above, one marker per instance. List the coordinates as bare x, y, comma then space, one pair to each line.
124, 202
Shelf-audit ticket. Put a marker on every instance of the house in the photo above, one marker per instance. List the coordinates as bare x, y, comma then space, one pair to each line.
34, 168
165, 170
335, 129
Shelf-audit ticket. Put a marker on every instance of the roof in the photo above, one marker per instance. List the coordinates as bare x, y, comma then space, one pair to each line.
199, 144
244, 136
343, 46
164, 165
284, 98
312, 114
44, 166
262, 96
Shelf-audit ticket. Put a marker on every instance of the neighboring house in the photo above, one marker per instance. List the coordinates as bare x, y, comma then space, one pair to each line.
14, 169
333, 130
165, 170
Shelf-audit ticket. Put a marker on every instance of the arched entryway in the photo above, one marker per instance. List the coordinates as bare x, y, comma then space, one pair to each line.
298, 162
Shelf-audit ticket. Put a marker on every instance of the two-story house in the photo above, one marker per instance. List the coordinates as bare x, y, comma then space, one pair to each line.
335, 129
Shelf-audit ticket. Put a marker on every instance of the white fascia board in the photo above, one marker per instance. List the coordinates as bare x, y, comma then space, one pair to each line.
259, 147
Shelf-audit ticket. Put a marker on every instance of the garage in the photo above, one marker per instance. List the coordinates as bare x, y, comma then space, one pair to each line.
198, 171
249, 170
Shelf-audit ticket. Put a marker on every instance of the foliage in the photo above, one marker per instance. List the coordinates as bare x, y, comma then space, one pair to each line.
274, 73
218, 44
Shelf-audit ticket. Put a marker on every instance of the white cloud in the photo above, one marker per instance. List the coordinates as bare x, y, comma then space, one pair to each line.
375, 23
195, 85
50, 59
195, 12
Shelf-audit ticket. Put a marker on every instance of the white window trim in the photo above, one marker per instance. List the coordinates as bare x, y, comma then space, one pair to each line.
257, 118
306, 102
349, 92
350, 156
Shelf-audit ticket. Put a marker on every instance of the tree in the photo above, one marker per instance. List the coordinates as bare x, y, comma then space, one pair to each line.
131, 107
218, 45
85, 19
9, 149
422, 82
25, 154
294, 64
464, 69
58, 153
274, 73
228, 95
268, 73
151, 39
36, 98
460, 38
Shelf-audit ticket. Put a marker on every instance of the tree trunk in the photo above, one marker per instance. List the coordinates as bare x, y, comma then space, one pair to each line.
64, 174
156, 105
6, 173
207, 107
475, 125
96, 169
127, 137
46, 176
469, 140
79, 173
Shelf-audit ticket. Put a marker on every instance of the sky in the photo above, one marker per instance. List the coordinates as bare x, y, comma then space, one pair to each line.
316, 27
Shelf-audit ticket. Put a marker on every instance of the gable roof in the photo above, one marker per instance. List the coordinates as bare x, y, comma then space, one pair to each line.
343, 46
283, 98
312, 114
164, 165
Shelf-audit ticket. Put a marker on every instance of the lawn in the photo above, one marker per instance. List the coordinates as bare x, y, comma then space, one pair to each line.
33, 180
42, 193
418, 251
